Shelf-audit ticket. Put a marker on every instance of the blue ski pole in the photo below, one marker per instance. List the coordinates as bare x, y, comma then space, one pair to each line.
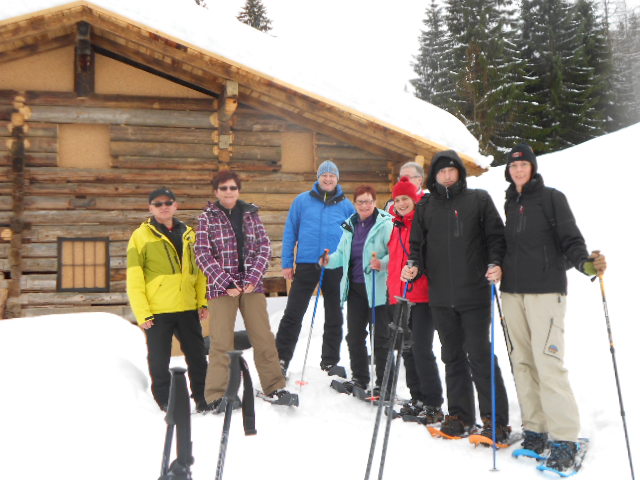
301, 382
493, 378
372, 327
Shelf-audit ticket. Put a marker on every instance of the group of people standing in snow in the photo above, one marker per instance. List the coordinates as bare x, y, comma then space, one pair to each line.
445, 249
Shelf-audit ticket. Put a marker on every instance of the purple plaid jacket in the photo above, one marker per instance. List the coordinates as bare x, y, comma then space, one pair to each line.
217, 251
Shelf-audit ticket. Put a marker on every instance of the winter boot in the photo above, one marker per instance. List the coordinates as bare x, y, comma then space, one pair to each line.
430, 415
282, 397
333, 370
412, 408
534, 441
453, 426
502, 431
562, 456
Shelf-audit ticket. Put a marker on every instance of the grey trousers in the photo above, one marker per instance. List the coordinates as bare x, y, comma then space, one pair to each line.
535, 332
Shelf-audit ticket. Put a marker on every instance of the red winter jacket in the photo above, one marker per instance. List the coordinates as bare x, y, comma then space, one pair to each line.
398, 256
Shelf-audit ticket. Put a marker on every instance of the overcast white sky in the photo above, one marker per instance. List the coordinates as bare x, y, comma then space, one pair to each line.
379, 36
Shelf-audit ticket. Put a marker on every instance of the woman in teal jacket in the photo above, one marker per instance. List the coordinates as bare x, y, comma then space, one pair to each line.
362, 249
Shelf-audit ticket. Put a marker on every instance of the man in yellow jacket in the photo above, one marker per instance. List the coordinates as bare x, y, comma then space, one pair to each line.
166, 291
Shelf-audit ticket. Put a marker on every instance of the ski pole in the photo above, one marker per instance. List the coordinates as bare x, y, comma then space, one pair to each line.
372, 326
402, 311
229, 397
301, 382
615, 370
493, 378
404, 321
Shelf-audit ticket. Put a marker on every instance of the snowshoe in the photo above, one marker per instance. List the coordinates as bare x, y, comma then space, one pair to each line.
452, 429
565, 458
534, 445
220, 405
280, 397
345, 387
504, 437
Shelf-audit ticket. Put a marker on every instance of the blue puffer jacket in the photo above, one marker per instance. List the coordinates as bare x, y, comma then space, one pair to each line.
377, 241
314, 224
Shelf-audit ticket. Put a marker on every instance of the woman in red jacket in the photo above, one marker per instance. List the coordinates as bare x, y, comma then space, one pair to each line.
423, 378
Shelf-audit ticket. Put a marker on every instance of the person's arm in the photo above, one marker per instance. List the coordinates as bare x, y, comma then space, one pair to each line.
205, 258
261, 257
493, 231
571, 241
136, 285
291, 233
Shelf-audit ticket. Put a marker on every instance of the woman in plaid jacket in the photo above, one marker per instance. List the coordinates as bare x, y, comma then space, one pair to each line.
233, 250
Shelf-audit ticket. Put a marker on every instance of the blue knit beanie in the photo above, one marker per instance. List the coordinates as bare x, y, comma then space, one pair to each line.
328, 167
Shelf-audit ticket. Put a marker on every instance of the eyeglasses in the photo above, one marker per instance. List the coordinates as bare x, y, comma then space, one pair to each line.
168, 203
233, 188
364, 202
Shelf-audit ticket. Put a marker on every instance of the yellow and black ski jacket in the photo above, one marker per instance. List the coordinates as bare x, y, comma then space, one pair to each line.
159, 280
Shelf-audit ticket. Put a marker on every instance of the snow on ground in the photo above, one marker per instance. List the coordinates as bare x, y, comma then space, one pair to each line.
76, 402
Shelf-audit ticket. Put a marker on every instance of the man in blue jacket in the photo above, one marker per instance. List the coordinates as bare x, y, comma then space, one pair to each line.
313, 225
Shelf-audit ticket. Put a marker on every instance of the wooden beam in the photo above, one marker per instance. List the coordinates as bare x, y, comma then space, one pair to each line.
85, 61
17, 223
227, 106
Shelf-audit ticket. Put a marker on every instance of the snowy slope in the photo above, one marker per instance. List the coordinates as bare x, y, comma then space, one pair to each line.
76, 398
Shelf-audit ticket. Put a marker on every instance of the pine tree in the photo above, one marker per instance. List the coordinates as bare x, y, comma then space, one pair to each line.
626, 71
202, 3
483, 65
434, 84
254, 14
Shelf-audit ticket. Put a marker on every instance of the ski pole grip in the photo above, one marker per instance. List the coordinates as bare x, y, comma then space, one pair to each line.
234, 374
411, 263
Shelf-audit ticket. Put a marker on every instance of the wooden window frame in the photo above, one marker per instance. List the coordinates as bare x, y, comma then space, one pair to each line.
107, 283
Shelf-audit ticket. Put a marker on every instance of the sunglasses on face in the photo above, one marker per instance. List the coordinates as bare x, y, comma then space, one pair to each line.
233, 188
168, 203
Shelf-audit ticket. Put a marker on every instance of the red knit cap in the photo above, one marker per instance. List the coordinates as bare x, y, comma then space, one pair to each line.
405, 187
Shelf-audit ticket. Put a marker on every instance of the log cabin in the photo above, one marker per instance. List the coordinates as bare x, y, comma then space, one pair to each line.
99, 107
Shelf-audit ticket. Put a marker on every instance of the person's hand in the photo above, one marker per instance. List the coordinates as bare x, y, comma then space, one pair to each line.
147, 325
408, 273
287, 273
375, 263
599, 261
494, 273
203, 313
596, 264
233, 292
324, 259
249, 288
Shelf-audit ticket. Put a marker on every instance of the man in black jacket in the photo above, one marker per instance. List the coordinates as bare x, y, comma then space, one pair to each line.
458, 242
542, 238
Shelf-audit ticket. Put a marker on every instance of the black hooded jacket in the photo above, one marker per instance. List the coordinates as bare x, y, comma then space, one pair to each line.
534, 260
457, 233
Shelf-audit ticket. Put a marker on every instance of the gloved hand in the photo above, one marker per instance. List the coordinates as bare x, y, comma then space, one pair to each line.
596, 264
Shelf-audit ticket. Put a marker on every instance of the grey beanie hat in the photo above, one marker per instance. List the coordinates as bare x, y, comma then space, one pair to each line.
328, 167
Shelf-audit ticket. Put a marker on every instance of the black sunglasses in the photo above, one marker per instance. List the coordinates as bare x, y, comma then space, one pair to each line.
233, 188
168, 203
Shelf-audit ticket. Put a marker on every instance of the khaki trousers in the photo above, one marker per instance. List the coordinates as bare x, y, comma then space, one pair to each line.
223, 311
535, 331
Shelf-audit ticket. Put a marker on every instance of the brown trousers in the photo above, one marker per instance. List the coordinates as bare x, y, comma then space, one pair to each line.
535, 329
223, 311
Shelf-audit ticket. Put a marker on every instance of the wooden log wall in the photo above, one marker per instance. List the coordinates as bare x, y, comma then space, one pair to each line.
153, 142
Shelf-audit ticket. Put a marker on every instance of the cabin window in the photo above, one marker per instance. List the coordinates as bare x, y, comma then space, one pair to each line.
298, 152
84, 146
83, 264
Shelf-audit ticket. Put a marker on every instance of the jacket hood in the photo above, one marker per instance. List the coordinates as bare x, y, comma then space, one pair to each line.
441, 160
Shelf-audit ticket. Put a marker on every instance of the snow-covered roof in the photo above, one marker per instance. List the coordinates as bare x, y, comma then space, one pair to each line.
284, 64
